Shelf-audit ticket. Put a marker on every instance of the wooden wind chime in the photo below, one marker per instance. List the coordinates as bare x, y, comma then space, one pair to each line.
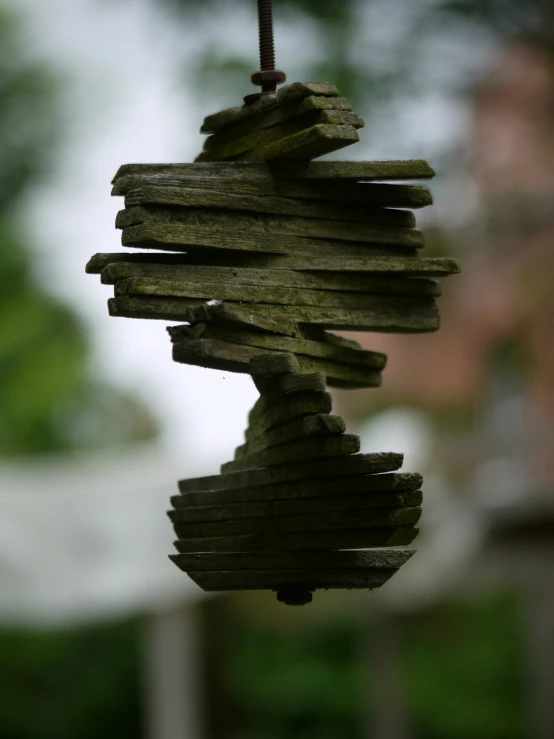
258, 252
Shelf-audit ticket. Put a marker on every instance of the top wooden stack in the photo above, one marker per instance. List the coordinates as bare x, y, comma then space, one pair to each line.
292, 247
302, 121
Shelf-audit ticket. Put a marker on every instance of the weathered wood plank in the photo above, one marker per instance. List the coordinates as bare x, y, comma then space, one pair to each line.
296, 541
388, 314
233, 357
277, 579
381, 485
261, 509
278, 115
315, 425
371, 264
284, 369
315, 447
317, 348
359, 464
285, 96
99, 262
218, 151
274, 384
287, 296
193, 222
303, 193
350, 282
226, 199
303, 522
177, 236
304, 146
265, 416
407, 169
162, 309
376, 559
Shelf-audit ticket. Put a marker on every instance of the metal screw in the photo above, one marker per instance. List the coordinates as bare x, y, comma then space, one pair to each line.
268, 77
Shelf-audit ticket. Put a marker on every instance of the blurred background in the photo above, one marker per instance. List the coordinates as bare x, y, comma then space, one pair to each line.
99, 633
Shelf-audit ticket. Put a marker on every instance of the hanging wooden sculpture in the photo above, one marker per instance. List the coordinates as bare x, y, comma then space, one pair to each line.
259, 252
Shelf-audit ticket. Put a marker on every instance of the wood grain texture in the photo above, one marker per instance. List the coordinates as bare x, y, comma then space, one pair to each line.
162, 309
284, 96
315, 425
305, 540
317, 348
380, 485
276, 579
223, 198
377, 559
332, 469
305, 450
202, 223
388, 314
302, 522
232, 357
343, 171
273, 193
304, 146
335, 281
218, 150
178, 236
276, 116
262, 509
287, 296
264, 417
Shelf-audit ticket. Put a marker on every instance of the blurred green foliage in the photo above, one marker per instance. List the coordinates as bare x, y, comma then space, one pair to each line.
68, 684
80, 684
461, 664
49, 397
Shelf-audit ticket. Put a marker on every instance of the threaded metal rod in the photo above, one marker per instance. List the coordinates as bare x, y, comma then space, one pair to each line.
267, 44
268, 77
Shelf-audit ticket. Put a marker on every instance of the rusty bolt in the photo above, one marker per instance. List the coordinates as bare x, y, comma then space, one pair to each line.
268, 77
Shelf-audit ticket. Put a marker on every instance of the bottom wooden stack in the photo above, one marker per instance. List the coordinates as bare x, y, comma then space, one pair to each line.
299, 508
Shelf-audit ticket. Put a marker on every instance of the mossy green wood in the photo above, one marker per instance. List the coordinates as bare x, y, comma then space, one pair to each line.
284, 96
308, 580
259, 139
263, 509
225, 199
229, 357
335, 171
312, 104
251, 294
208, 227
291, 197
352, 538
333, 281
375, 559
328, 520
379, 484
316, 348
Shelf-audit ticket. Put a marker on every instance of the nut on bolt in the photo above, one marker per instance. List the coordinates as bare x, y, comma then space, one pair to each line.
269, 75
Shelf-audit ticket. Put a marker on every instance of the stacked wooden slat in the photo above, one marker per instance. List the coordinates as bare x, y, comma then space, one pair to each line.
298, 497
289, 251
259, 252
302, 121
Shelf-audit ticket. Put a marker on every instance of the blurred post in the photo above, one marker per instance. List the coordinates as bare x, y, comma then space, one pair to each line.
540, 631
172, 681
384, 709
